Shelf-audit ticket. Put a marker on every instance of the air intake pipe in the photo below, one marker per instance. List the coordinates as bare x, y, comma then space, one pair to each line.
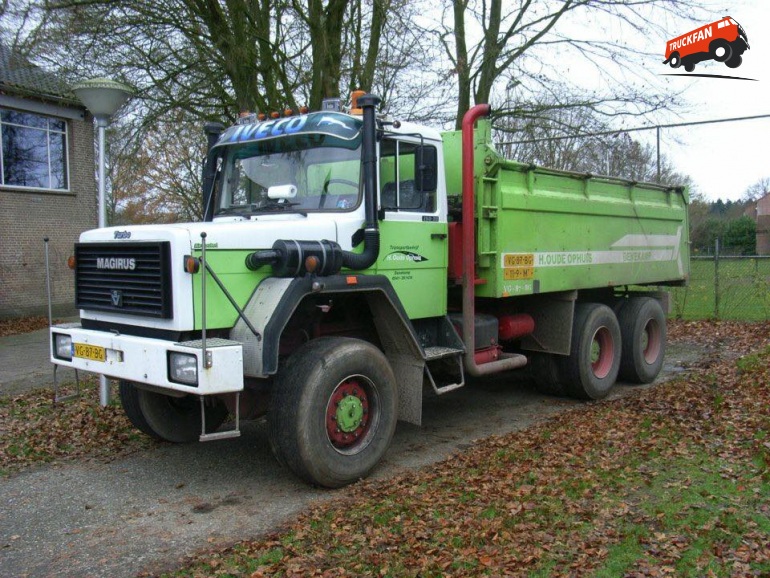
364, 260
213, 131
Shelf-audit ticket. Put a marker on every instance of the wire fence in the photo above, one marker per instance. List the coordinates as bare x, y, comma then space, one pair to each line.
736, 288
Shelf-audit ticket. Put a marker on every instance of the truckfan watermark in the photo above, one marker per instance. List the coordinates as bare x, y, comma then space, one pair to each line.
722, 41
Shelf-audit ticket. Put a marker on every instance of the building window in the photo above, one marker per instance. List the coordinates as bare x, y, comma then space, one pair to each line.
34, 151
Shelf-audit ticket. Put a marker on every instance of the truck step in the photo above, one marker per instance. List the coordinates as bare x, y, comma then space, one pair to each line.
443, 357
447, 388
220, 435
433, 353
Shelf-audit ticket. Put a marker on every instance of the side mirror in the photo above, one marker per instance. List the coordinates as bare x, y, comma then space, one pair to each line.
426, 169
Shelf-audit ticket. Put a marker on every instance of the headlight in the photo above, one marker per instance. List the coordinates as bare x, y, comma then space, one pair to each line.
62, 345
183, 368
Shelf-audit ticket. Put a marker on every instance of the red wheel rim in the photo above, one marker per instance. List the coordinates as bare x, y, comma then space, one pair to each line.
348, 416
654, 340
602, 352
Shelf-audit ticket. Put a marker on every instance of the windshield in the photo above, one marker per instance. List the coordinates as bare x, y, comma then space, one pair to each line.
297, 174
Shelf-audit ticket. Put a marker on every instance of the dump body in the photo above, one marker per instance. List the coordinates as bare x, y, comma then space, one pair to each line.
542, 230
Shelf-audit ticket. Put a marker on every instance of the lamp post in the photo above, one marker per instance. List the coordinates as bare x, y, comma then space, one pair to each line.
102, 97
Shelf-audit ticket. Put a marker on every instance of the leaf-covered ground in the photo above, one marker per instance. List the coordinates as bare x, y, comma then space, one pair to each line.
22, 325
34, 430
672, 481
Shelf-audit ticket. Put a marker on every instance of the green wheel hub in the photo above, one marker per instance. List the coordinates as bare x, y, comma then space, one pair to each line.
349, 413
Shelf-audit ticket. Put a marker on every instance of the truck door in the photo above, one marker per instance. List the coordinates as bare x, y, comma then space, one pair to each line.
413, 229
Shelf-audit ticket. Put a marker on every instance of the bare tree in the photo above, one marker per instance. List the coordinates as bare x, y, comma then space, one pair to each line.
576, 138
757, 190
213, 59
210, 59
527, 44
160, 181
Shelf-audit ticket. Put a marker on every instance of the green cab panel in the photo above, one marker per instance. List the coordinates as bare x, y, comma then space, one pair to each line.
413, 255
229, 266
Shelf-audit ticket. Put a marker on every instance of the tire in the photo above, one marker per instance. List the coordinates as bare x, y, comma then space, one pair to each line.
643, 334
735, 61
545, 374
675, 61
689, 67
333, 411
172, 419
590, 370
129, 397
720, 50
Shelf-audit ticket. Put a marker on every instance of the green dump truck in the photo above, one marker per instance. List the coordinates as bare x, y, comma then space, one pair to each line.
348, 264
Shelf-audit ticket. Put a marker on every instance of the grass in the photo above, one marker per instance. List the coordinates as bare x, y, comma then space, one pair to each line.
698, 506
744, 290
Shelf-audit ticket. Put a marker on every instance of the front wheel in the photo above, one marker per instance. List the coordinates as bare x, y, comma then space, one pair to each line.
129, 398
172, 419
592, 366
735, 61
333, 411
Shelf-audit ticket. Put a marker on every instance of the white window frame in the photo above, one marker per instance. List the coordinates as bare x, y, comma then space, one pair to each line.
48, 132
406, 214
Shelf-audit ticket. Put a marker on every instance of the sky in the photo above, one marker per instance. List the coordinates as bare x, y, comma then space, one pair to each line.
724, 159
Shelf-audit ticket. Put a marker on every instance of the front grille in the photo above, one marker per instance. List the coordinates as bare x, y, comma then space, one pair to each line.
130, 278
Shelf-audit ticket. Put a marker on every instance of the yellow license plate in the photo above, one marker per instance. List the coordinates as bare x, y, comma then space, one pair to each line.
93, 352
518, 273
518, 260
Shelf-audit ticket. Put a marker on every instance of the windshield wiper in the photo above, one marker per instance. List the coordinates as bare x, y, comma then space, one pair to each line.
232, 209
272, 206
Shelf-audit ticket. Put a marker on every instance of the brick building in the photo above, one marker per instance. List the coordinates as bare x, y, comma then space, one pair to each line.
47, 186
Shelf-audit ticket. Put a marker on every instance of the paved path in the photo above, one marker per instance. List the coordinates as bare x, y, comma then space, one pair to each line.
25, 363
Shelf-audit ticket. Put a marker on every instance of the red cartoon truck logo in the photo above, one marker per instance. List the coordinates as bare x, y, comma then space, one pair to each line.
724, 41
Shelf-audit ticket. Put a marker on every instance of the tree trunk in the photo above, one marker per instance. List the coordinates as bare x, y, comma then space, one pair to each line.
463, 67
325, 27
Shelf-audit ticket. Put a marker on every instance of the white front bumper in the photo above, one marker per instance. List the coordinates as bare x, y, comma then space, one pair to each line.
145, 360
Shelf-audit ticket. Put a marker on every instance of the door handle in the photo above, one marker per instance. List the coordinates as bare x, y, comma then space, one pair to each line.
438, 236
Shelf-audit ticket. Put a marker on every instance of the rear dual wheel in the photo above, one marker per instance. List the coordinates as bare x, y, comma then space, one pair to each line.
333, 411
643, 330
590, 370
